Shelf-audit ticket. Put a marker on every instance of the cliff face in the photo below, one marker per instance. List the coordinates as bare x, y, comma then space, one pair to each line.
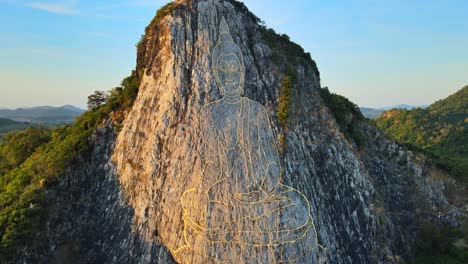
125, 205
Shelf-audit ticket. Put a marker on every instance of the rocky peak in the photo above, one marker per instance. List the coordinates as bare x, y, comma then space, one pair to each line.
362, 201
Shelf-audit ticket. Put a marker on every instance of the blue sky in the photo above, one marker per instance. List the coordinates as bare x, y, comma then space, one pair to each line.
376, 53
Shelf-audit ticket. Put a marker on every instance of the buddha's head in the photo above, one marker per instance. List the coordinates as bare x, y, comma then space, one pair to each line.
228, 63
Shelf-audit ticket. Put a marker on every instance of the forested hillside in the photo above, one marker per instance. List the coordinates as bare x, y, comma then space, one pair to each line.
35, 158
439, 130
7, 125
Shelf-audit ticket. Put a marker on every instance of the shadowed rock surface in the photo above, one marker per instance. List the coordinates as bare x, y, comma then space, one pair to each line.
122, 205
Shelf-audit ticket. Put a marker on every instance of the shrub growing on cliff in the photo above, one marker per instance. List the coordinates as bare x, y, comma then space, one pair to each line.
284, 103
346, 113
284, 107
96, 99
129, 90
122, 98
161, 13
281, 45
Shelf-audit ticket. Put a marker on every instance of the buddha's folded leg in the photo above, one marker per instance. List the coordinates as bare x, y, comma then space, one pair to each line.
303, 250
281, 225
282, 218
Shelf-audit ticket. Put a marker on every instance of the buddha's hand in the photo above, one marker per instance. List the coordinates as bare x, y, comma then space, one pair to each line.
251, 197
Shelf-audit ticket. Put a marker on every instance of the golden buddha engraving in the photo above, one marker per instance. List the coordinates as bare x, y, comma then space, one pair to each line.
239, 212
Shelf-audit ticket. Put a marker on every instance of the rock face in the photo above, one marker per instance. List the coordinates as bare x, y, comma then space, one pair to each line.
125, 206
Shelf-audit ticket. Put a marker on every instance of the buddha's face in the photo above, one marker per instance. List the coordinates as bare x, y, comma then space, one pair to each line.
229, 72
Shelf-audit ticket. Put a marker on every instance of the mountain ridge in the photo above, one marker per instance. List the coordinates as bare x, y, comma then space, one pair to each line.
43, 114
370, 112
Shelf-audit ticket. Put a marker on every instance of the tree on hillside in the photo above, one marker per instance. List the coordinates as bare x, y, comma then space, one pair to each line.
96, 99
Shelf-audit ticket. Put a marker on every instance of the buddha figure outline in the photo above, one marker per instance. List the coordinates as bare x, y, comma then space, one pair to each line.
239, 211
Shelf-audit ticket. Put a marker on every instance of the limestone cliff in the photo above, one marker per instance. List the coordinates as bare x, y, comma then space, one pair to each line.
124, 205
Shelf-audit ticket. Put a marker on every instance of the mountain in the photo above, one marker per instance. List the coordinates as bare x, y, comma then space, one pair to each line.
375, 112
441, 130
43, 114
131, 181
73, 108
404, 106
7, 125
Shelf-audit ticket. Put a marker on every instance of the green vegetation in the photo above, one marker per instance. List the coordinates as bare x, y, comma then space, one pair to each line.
15, 148
283, 46
7, 125
346, 113
34, 159
96, 99
141, 45
284, 103
161, 13
440, 131
165, 10
284, 106
446, 245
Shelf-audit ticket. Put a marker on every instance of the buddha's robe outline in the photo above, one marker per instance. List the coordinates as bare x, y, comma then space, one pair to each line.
239, 203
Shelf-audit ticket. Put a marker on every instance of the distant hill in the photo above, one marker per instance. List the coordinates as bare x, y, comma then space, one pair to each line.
375, 112
73, 108
371, 112
43, 114
441, 130
7, 125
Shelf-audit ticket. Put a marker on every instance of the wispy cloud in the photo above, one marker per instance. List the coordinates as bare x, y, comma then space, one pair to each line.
62, 8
